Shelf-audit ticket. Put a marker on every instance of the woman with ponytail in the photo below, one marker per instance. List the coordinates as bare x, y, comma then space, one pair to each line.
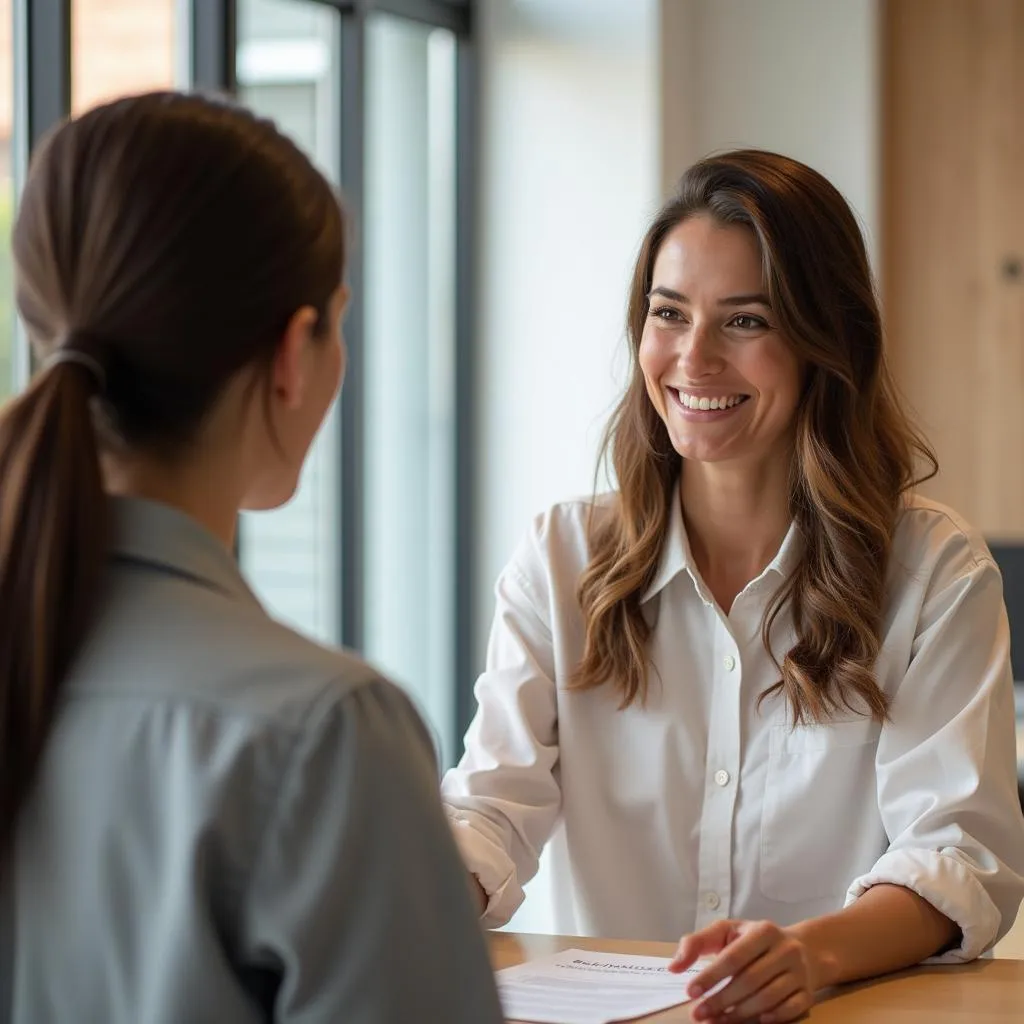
203, 816
760, 695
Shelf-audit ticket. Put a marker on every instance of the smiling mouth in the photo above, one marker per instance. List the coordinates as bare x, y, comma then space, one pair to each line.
708, 403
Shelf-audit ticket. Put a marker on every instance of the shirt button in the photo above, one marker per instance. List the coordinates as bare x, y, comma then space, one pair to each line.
730, 662
722, 777
712, 901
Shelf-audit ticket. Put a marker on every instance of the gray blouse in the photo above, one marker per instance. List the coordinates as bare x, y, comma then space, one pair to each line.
231, 823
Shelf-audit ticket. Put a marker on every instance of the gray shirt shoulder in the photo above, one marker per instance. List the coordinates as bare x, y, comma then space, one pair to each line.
233, 823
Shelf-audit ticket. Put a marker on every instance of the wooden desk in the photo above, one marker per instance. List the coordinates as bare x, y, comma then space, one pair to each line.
983, 992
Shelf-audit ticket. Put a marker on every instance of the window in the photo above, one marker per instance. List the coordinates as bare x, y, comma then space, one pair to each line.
124, 46
287, 65
409, 230
373, 550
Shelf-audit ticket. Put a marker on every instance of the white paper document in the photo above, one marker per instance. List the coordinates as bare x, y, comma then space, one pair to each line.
578, 986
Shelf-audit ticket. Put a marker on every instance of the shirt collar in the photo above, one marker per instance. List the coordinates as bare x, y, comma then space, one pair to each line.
168, 540
676, 556
675, 552
789, 554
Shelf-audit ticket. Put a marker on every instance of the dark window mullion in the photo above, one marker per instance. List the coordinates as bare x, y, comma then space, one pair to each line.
213, 40
430, 12
42, 99
43, 67
352, 419
440, 13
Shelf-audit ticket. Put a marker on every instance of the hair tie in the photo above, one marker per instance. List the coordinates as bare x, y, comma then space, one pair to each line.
62, 354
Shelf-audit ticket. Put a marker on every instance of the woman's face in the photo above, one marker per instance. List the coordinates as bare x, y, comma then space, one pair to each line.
721, 376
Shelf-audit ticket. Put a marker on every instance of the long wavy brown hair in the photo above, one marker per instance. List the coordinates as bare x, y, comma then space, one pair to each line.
856, 453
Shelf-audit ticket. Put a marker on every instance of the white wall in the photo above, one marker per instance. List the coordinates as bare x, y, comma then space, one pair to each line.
796, 76
569, 178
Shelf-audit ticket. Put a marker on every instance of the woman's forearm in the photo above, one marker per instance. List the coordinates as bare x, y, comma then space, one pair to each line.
886, 929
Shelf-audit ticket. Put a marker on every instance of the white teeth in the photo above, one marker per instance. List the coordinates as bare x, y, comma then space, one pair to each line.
706, 404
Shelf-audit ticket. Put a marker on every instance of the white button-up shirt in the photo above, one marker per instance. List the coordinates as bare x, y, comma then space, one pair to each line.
700, 805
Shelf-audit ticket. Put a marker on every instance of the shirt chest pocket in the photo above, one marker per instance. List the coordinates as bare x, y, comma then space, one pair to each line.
819, 792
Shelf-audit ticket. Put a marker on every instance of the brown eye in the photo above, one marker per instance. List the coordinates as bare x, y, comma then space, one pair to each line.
665, 313
746, 322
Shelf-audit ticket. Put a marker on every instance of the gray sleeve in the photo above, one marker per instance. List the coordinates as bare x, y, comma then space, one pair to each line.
359, 901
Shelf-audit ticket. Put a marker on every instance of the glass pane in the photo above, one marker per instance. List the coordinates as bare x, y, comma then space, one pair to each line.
409, 359
124, 46
7, 327
287, 64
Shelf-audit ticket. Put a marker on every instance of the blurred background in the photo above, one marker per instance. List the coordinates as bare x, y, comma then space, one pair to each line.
500, 159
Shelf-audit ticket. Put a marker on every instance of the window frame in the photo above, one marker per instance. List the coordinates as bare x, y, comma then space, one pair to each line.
42, 65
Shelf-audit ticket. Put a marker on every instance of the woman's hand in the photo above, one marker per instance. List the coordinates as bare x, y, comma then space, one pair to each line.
774, 974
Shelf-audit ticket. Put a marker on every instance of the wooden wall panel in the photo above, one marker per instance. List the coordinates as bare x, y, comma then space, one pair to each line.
953, 235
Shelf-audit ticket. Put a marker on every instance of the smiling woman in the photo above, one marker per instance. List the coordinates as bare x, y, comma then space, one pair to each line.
762, 673
732, 297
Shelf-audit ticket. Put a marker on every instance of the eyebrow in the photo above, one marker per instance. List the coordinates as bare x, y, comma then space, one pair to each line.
733, 300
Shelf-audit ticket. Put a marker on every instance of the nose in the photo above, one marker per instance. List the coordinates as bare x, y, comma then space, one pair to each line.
700, 354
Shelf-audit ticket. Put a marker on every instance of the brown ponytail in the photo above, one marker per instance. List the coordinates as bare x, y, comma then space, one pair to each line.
53, 526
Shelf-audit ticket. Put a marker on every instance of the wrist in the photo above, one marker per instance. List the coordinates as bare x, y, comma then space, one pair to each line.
823, 963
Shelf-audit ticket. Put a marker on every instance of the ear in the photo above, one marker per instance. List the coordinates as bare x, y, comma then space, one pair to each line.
290, 366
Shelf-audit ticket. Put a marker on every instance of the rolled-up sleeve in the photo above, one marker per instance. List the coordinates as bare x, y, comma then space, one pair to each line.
358, 901
503, 798
946, 761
